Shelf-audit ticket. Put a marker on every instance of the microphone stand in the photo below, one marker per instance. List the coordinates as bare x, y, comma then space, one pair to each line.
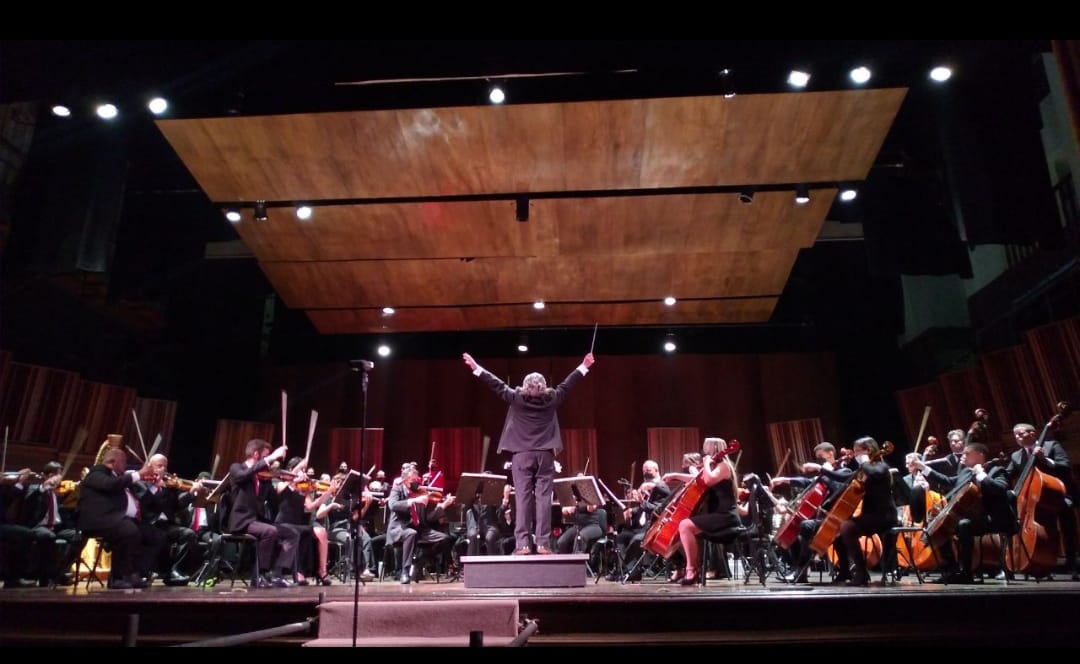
356, 527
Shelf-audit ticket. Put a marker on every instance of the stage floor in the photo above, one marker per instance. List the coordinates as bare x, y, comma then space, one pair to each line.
991, 613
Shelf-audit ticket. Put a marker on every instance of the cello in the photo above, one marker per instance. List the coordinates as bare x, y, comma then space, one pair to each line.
962, 502
662, 537
844, 507
1039, 498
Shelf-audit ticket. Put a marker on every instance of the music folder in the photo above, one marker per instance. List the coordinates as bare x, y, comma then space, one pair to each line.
489, 487
571, 489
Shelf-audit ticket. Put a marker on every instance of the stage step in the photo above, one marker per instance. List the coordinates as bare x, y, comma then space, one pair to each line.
547, 571
420, 623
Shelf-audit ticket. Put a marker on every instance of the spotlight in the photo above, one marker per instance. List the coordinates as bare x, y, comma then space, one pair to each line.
158, 105
233, 216
746, 196
496, 95
383, 350
388, 311
670, 301
848, 195
107, 111
260, 211
303, 212
539, 304
940, 74
860, 75
669, 343
61, 111
798, 79
523, 344
727, 85
522, 211
802, 195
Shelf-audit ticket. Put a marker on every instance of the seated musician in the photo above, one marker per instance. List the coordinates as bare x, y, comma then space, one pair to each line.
14, 536
297, 501
161, 508
109, 509
911, 489
589, 523
836, 476
994, 513
649, 498
504, 521
56, 541
877, 516
433, 477
718, 514
247, 513
335, 517
948, 464
410, 517
481, 523
1050, 458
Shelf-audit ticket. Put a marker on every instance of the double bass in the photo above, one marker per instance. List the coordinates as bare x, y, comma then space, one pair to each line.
1039, 499
662, 537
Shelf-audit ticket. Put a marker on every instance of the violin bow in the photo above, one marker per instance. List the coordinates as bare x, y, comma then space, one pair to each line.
922, 428
213, 468
155, 446
138, 430
310, 435
3, 463
284, 409
76, 447
787, 455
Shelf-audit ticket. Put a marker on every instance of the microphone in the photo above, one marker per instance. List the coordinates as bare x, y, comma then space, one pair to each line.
357, 365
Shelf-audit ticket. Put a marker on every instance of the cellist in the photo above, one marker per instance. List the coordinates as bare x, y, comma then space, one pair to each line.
877, 516
719, 514
995, 514
1049, 458
836, 476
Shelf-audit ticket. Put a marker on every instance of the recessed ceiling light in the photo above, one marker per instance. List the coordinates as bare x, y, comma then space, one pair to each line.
670, 301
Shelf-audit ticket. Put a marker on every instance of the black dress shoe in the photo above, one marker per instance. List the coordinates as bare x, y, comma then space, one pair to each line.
176, 579
324, 581
406, 578
119, 584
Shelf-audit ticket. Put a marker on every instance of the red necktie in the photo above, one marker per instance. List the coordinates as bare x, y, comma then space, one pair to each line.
195, 521
256, 486
415, 515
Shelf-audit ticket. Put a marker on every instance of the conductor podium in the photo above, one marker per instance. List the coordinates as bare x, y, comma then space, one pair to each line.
533, 571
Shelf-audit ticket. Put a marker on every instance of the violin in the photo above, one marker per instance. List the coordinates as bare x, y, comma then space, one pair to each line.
277, 475
317, 485
66, 487
433, 493
32, 478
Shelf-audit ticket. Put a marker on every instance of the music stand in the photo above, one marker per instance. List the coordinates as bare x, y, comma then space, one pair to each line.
571, 489
484, 488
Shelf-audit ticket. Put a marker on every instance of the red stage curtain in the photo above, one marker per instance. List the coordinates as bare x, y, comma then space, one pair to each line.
799, 436
579, 447
667, 445
457, 449
345, 446
232, 436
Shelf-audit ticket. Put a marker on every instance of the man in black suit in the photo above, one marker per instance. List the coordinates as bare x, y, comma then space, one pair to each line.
14, 536
1051, 458
531, 435
247, 513
109, 509
57, 543
949, 464
161, 506
410, 519
995, 515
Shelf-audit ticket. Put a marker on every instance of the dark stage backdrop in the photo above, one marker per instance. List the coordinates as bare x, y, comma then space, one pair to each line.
622, 397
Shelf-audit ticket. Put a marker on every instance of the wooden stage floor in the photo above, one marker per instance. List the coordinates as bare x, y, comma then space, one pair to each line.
990, 614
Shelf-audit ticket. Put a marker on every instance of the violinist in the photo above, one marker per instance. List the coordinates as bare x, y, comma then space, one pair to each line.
995, 514
55, 539
246, 513
433, 477
339, 521
836, 475
14, 536
649, 498
411, 513
297, 501
911, 489
109, 509
162, 501
1051, 458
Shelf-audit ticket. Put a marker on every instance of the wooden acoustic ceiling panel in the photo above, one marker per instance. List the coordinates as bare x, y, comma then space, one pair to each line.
468, 264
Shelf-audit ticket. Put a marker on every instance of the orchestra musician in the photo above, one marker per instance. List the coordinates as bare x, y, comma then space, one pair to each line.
433, 477
877, 516
949, 464
55, 539
994, 515
719, 514
160, 509
835, 476
109, 509
649, 498
14, 537
247, 514
297, 501
531, 435
410, 519
1049, 458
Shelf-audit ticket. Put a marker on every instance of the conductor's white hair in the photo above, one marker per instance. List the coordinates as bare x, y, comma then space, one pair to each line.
534, 384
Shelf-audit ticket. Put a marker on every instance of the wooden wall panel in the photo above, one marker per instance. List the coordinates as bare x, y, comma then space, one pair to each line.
230, 438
